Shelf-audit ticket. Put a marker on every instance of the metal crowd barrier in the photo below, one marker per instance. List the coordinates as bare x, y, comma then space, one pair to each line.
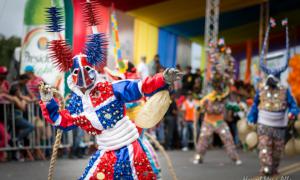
41, 138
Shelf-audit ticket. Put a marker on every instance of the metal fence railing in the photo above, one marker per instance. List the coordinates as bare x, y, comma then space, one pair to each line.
39, 137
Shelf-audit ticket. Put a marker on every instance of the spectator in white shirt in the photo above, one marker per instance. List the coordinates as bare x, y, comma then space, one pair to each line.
142, 68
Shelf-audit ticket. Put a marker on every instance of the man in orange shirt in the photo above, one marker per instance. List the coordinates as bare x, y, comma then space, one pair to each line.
189, 110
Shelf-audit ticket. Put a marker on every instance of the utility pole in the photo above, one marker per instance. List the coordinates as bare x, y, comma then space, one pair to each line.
211, 33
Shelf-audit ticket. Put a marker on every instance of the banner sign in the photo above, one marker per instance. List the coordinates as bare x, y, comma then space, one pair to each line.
35, 41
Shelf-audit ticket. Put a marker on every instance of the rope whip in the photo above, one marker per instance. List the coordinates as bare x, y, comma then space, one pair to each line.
165, 154
57, 138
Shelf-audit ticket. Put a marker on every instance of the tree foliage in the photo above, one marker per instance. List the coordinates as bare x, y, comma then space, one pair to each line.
7, 47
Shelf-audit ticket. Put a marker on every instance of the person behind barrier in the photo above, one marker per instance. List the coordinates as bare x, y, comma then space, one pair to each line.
4, 84
32, 86
22, 125
34, 81
21, 84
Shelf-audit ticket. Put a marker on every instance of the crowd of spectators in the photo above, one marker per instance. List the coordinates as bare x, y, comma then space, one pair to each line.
176, 131
20, 114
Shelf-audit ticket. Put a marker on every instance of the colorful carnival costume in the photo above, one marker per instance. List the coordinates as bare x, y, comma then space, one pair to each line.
132, 109
98, 106
215, 103
271, 103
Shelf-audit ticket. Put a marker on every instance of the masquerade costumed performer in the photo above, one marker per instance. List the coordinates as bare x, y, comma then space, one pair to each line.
271, 102
97, 106
214, 103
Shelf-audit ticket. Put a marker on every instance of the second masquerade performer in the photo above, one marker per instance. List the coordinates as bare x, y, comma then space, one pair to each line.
271, 102
214, 103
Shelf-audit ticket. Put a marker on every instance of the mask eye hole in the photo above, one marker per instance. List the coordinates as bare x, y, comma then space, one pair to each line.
75, 71
87, 68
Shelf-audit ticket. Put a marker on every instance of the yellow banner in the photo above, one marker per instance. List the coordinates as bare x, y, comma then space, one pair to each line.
145, 41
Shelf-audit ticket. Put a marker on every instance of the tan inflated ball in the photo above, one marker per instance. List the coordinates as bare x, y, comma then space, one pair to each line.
252, 139
297, 145
243, 130
290, 147
297, 126
243, 127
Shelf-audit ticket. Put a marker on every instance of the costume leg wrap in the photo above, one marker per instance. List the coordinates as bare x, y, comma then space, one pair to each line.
227, 139
271, 146
265, 147
205, 134
278, 147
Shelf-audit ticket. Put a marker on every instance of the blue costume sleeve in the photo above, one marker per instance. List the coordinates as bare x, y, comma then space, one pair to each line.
52, 108
292, 105
51, 114
127, 90
253, 113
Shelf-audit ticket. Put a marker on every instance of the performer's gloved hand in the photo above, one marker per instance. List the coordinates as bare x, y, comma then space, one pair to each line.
291, 116
45, 92
171, 75
251, 125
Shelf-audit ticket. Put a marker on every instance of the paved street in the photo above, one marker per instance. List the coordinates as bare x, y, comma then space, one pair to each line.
216, 166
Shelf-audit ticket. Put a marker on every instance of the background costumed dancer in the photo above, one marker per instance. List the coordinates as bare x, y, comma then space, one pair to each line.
214, 103
271, 103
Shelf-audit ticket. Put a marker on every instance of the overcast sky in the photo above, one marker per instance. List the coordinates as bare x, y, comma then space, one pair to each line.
11, 17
